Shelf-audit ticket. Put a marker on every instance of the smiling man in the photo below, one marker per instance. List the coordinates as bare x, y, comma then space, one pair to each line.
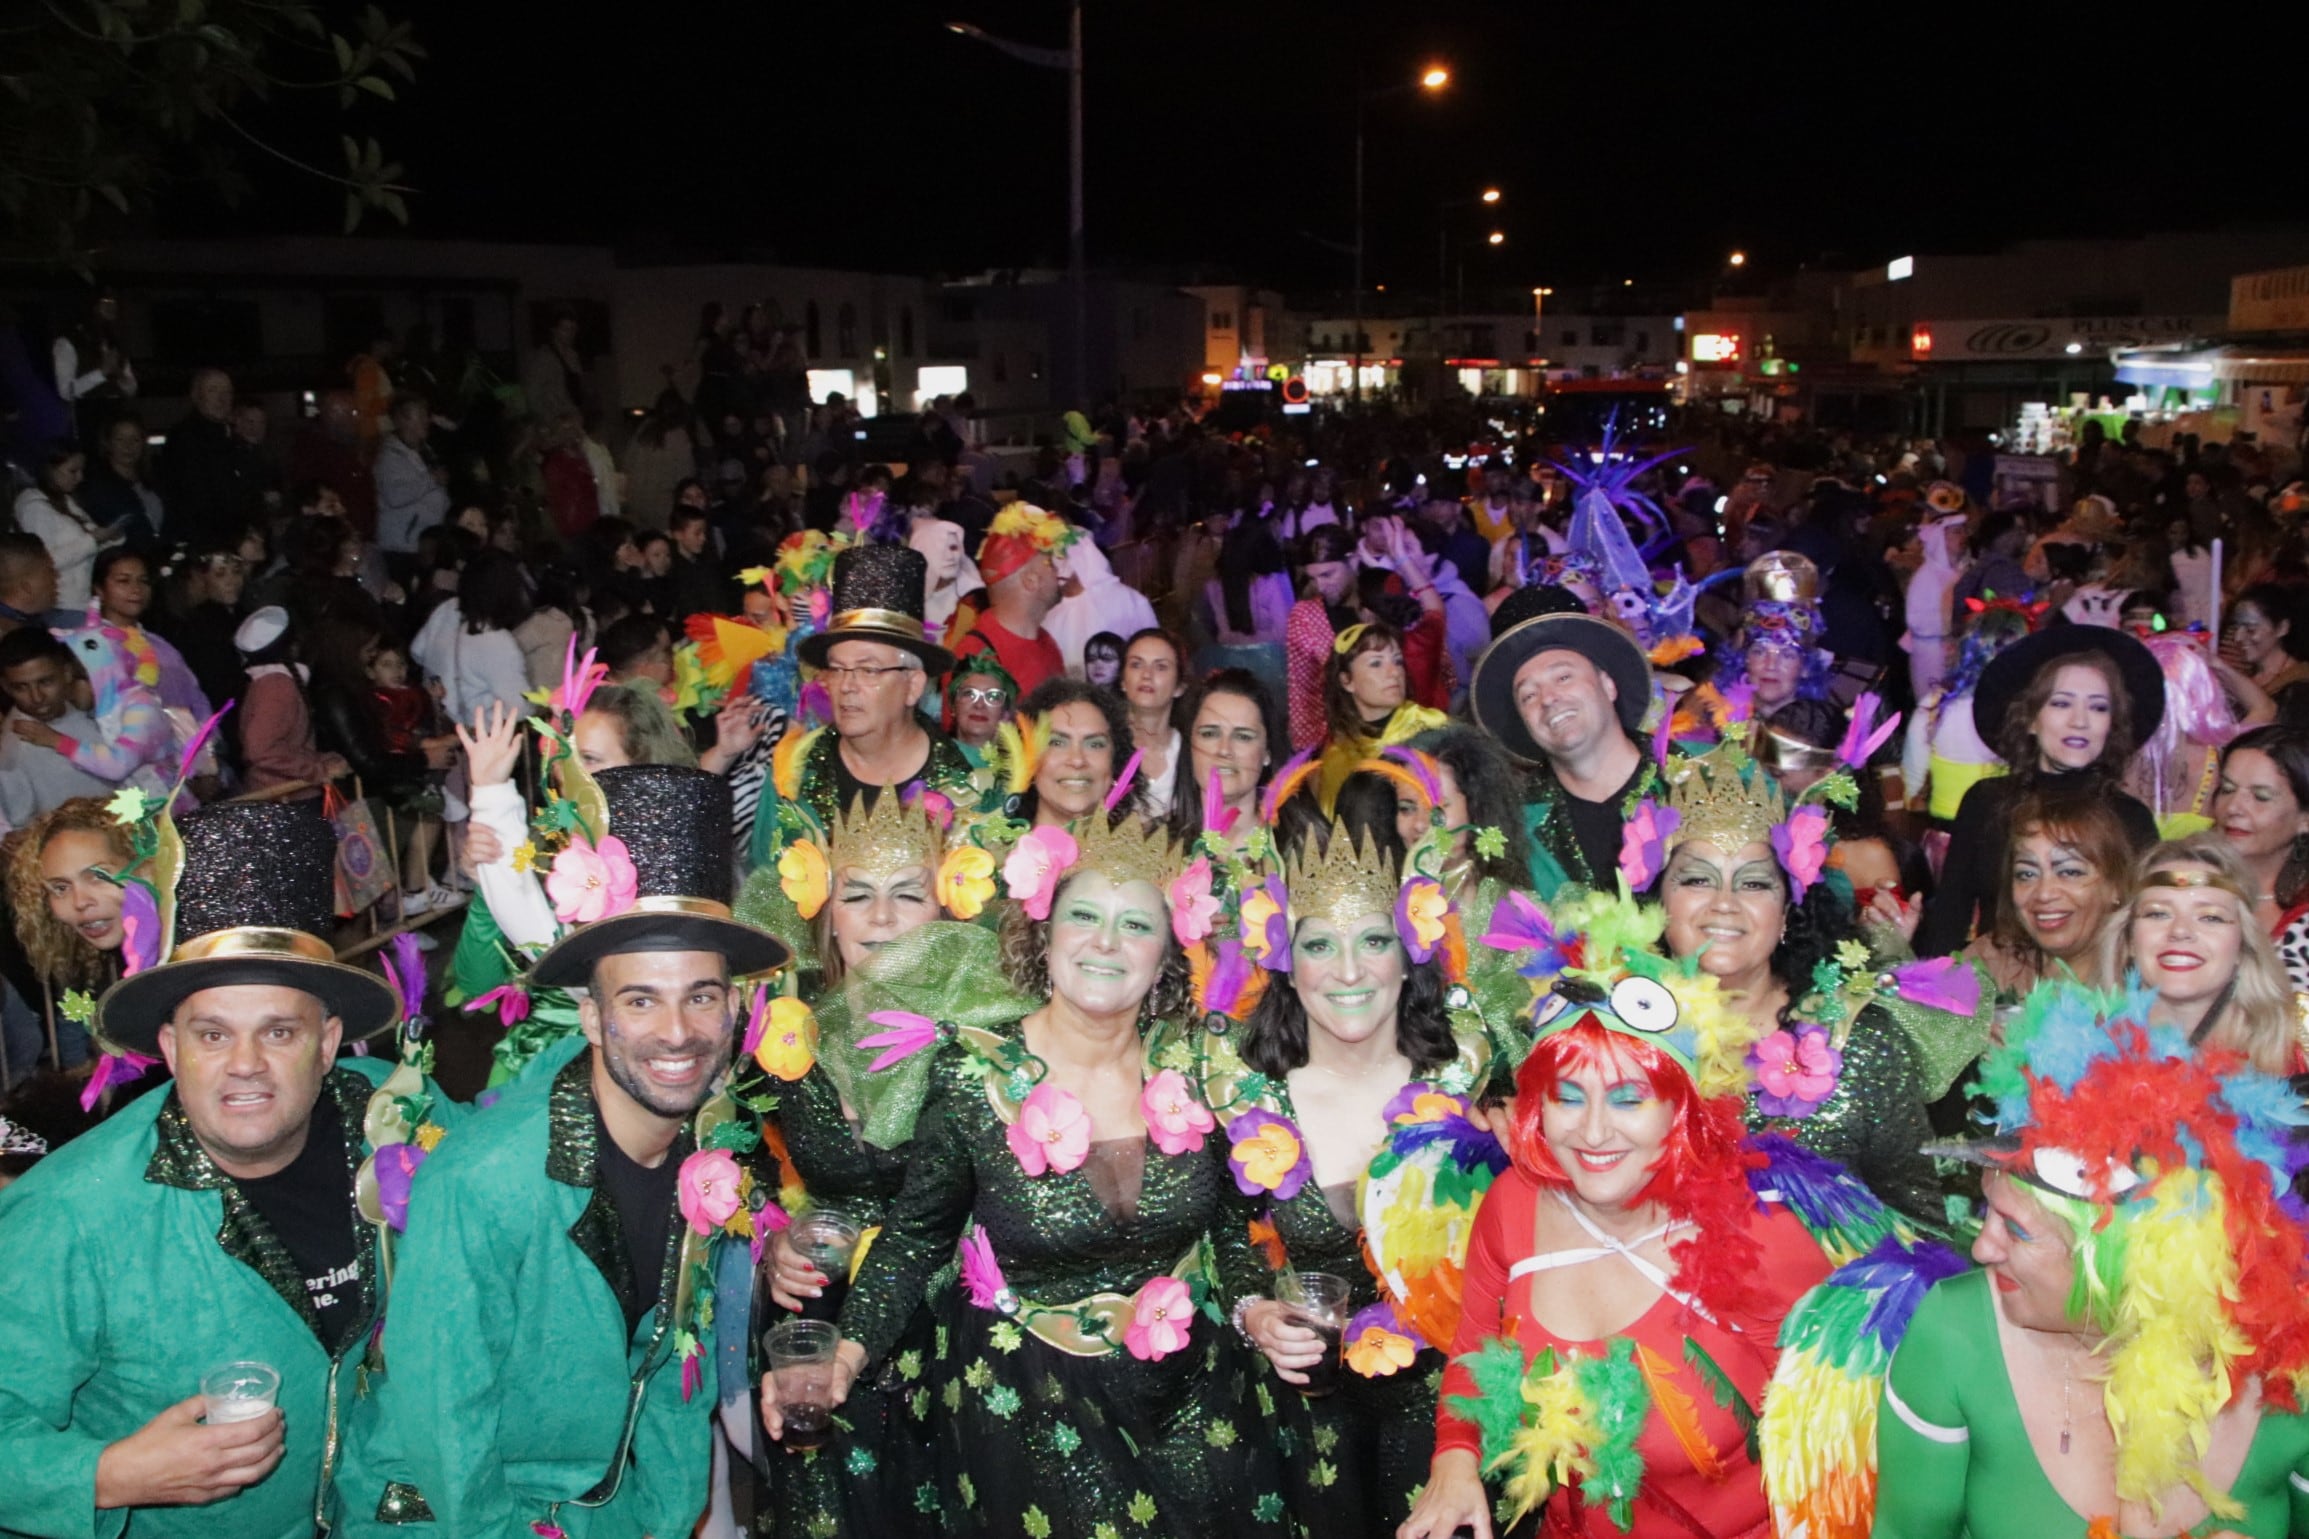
1568, 692
538, 1352
212, 1221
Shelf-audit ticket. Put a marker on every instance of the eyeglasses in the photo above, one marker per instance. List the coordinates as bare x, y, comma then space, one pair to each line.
975, 696
868, 676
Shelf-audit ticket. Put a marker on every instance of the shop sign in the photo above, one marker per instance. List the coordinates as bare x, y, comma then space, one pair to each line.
2270, 301
1990, 341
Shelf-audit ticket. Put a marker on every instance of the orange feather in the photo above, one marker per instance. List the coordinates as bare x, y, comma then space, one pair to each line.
1681, 1415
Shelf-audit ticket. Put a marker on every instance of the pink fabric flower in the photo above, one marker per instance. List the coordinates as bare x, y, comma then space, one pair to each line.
708, 1189
1160, 1320
1192, 906
1052, 1132
1036, 864
590, 882
1644, 842
1802, 845
981, 1273
1175, 1120
1795, 1071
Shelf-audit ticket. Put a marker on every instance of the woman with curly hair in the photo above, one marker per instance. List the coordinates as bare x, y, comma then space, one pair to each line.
1630, 1269
1359, 1022
64, 887
1076, 738
1083, 1389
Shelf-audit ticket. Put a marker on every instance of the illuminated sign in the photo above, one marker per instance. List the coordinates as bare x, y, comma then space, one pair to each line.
1920, 342
1899, 268
1294, 389
1715, 347
1278, 372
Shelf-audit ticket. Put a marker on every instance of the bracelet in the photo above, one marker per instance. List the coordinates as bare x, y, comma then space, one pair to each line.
1242, 1309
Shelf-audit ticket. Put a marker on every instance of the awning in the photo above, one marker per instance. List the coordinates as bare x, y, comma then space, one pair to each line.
2199, 368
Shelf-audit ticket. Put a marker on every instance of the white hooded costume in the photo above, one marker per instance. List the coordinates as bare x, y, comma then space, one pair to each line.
1928, 595
1105, 603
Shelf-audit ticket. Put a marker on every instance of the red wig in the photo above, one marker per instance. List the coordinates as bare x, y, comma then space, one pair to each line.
1702, 1171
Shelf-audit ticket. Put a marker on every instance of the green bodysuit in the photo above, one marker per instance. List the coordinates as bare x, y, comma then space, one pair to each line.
1954, 1458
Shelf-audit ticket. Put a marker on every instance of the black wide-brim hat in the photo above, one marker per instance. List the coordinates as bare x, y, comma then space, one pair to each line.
1492, 693
247, 896
878, 596
2009, 674
675, 825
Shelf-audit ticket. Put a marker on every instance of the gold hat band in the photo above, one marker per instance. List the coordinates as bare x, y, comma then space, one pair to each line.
703, 908
2187, 877
254, 941
876, 619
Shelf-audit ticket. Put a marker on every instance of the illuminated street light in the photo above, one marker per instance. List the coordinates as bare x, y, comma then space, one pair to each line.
1491, 195
1739, 259
1436, 78
1497, 237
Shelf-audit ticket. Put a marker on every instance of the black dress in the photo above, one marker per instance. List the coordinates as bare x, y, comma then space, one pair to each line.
1049, 1422
1973, 877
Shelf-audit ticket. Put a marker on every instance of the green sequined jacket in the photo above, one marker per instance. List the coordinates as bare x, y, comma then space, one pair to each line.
129, 1267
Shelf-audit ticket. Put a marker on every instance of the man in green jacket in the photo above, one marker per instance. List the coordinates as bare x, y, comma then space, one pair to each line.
546, 1362
213, 1221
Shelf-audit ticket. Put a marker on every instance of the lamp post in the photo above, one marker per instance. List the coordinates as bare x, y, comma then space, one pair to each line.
1068, 59
1489, 198
1434, 78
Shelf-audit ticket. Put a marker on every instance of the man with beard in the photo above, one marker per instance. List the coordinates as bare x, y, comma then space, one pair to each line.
1567, 692
213, 1221
545, 1367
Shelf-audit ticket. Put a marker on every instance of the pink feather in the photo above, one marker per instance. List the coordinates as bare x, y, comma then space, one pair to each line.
1863, 737
1218, 817
199, 741
908, 1034
1421, 767
1287, 780
756, 1022
1122, 782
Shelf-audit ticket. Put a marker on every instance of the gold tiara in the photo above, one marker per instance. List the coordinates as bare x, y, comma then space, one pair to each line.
1344, 882
1134, 850
1723, 798
2192, 876
884, 836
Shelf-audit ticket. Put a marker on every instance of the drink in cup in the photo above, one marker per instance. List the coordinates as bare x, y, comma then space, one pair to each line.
1318, 1301
827, 1238
801, 1357
239, 1392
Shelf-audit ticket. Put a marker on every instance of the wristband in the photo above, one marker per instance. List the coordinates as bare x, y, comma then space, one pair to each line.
1242, 1309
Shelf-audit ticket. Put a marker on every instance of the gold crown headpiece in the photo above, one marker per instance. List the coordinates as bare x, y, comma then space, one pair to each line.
1724, 797
1134, 850
1781, 577
883, 836
1343, 882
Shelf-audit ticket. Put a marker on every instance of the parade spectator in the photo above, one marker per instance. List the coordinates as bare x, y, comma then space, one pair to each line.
39, 675
207, 614
695, 582
204, 477
328, 451
1091, 599
117, 493
275, 722
412, 487
1326, 591
1022, 589
50, 511
91, 366
662, 455
123, 596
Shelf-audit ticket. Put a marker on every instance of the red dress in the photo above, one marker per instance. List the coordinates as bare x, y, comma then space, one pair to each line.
1676, 1501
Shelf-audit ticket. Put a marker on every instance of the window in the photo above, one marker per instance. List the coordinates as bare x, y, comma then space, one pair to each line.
1571, 339
905, 331
846, 330
811, 339
1222, 320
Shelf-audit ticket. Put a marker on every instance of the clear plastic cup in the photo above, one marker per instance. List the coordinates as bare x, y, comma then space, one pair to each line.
827, 1238
801, 1358
240, 1391
1318, 1301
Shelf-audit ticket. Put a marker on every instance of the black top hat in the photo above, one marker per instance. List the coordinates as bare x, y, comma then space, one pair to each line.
675, 825
2009, 674
878, 593
1492, 695
253, 902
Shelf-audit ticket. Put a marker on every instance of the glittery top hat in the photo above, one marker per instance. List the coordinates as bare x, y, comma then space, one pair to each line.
878, 592
246, 894
671, 826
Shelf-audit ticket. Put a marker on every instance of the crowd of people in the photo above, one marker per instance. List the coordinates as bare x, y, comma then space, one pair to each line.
1329, 980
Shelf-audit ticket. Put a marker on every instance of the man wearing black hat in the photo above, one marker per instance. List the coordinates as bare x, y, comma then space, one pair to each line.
876, 664
1567, 691
212, 1222
545, 1362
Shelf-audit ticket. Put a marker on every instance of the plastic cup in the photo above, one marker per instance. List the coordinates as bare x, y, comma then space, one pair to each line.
240, 1392
1318, 1301
827, 1238
801, 1357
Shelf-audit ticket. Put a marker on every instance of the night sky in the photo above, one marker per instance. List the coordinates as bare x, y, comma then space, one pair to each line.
1630, 140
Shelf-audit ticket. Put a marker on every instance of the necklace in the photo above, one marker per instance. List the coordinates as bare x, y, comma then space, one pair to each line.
2067, 1419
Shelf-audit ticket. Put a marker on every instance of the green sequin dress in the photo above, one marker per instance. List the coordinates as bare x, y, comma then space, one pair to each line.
1047, 1424
1875, 1124
1354, 1460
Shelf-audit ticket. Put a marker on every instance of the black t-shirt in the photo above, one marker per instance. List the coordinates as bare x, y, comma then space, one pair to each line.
1597, 826
308, 1205
645, 1206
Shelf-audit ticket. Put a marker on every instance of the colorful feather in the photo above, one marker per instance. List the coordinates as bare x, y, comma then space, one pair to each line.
1296, 772
1021, 742
1124, 781
405, 965
1863, 737
1218, 817
1426, 774
185, 760
786, 762
1678, 1413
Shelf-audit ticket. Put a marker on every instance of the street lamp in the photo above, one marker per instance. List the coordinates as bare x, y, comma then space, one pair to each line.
1739, 259
1068, 59
1432, 80
1496, 238
1491, 195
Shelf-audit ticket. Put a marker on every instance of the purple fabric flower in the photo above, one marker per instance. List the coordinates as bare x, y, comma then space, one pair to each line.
1943, 983
1268, 1155
1265, 917
396, 1167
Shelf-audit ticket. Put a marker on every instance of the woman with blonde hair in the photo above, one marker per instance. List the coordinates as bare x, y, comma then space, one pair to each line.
2189, 934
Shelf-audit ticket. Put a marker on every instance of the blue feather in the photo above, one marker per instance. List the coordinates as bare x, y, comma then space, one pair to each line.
1821, 1194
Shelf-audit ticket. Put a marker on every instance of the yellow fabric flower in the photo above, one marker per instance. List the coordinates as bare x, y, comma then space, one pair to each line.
1259, 907
1379, 1352
525, 856
803, 877
1424, 908
965, 881
789, 1042
429, 1136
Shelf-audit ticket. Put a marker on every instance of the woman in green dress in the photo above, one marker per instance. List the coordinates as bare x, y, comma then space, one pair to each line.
2127, 1358
1361, 1061
1086, 1388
